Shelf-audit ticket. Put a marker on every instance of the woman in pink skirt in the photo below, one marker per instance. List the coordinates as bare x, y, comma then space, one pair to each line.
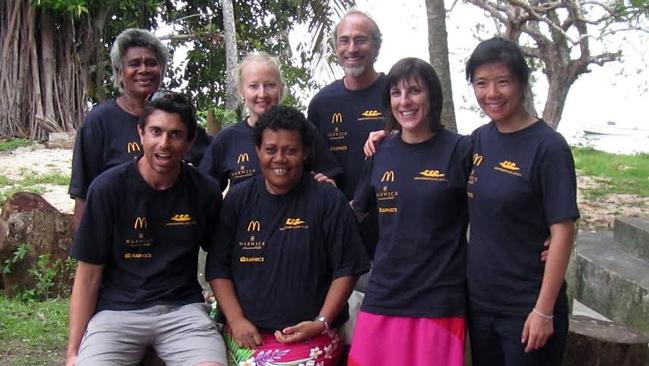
414, 306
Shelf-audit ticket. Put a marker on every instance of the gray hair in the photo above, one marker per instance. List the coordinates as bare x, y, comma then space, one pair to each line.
262, 58
375, 33
134, 37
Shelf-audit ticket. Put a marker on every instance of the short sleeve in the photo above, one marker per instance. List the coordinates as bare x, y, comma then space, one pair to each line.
558, 185
219, 255
212, 161
364, 195
346, 251
202, 141
93, 240
87, 158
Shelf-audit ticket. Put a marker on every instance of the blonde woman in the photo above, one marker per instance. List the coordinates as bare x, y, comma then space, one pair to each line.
231, 155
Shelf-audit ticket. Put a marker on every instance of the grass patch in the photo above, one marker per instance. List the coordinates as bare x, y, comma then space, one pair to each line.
50, 178
619, 173
13, 144
33, 333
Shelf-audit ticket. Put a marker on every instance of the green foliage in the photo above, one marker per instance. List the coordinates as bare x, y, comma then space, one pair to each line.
44, 272
13, 144
72, 7
620, 173
17, 256
33, 333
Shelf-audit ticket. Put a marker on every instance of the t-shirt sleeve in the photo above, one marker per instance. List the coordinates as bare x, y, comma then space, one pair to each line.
364, 195
345, 248
87, 158
558, 185
321, 160
202, 141
213, 208
211, 163
93, 240
219, 255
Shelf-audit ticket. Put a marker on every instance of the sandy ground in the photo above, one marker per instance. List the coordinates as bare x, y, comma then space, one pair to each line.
37, 160
596, 214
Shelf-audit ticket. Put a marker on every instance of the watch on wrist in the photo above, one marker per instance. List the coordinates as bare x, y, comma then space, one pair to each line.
322, 320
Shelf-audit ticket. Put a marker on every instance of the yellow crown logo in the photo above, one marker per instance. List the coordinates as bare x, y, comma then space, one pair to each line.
181, 218
294, 222
509, 165
432, 173
371, 113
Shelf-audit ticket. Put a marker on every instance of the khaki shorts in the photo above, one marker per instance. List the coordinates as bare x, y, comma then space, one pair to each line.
181, 335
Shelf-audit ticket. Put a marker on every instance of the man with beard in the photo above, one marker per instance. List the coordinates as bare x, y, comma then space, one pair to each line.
348, 109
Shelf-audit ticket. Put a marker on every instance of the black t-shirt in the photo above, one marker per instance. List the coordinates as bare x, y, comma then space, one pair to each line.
147, 240
420, 192
283, 251
521, 183
231, 156
345, 118
108, 137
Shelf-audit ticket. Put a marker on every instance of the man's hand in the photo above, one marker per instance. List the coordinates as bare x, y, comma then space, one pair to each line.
372, 140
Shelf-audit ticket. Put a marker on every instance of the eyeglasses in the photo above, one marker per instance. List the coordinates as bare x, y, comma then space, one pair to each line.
175, 97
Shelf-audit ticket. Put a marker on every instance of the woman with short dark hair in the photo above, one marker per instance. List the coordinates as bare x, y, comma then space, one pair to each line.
108, 134
414, 306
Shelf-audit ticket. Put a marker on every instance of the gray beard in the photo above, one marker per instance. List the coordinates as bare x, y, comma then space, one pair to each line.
354, 71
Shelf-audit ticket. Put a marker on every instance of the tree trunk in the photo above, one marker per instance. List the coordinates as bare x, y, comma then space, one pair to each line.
438, 51
230, 54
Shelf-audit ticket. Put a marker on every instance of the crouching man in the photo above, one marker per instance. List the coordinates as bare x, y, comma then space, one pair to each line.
137, 247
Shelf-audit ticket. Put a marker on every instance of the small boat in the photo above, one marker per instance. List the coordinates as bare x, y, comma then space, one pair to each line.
611, 128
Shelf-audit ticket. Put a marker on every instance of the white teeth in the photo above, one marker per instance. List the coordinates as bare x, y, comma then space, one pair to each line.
279, 171
408, 113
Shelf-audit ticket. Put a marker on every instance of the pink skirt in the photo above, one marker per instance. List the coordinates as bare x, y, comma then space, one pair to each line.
322, 350
393, 340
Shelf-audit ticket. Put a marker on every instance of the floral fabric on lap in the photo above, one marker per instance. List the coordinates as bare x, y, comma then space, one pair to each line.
323, 350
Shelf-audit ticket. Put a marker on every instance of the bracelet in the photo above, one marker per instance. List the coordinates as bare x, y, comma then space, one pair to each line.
324, 321
545, 317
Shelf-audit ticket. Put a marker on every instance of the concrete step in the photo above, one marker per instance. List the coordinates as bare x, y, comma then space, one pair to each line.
610, 281
632, 235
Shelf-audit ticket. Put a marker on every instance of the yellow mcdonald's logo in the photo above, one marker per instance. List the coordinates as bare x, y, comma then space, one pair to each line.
432, 173
243, 158
371, 113
337, 118
140, 223
254, 225
477, 159
294, 222
509, 165
181, 218
132, 147
388, 176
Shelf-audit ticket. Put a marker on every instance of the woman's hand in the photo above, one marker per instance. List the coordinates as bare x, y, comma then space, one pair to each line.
536, 331
372, 140
245, 333
300, 332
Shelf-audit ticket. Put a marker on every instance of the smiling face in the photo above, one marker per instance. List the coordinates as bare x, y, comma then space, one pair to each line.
164, 142
281, 158
355, 48
141, 72
409, 101
260, 88
498, 92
